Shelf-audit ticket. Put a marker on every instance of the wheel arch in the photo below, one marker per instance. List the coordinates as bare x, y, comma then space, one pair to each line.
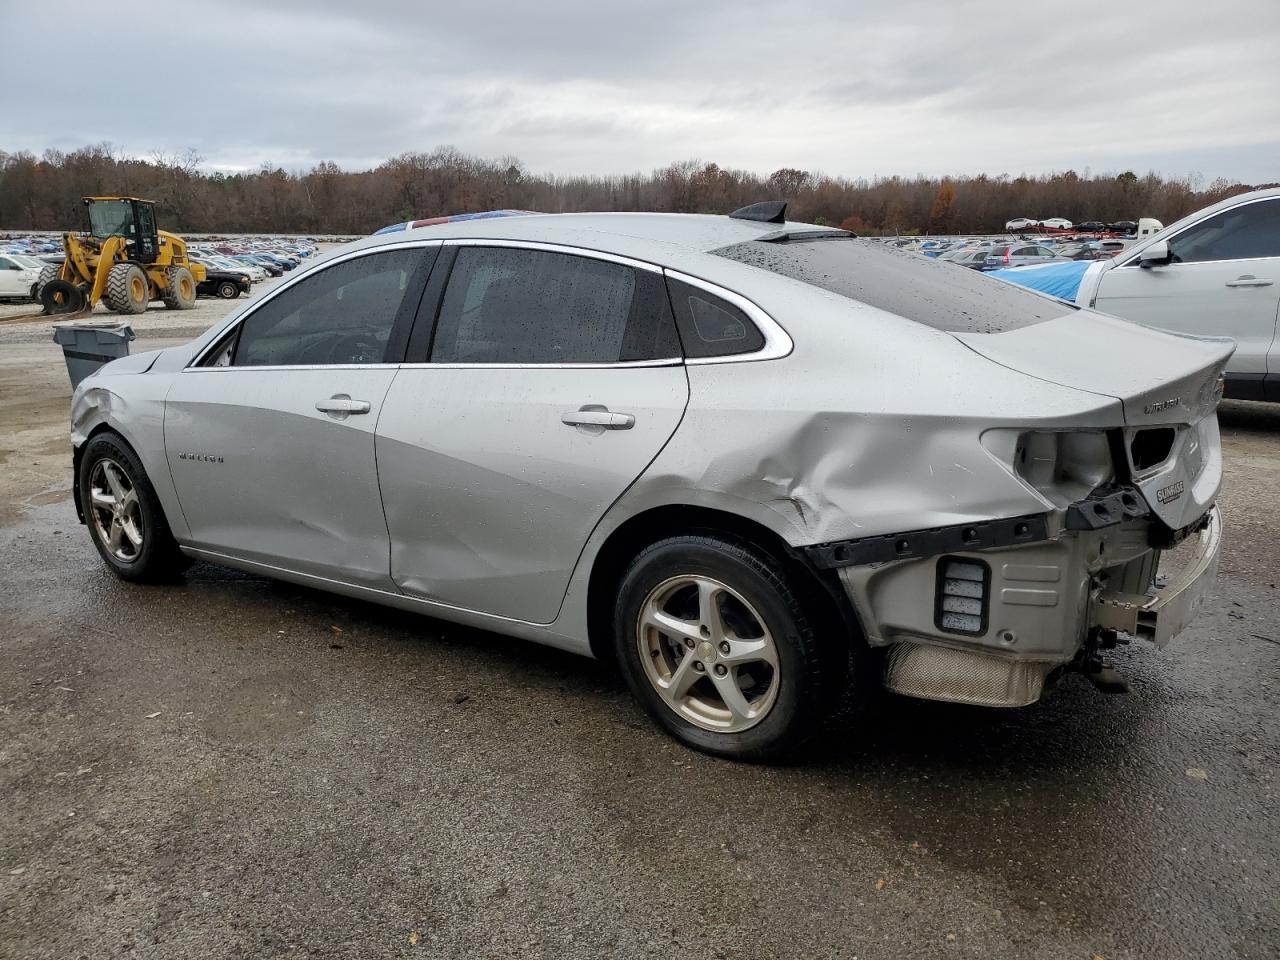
823, 592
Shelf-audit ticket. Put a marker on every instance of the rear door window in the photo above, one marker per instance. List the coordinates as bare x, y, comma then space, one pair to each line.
512, 305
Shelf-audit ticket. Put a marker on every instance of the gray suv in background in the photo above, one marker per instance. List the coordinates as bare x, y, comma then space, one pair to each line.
1008, 255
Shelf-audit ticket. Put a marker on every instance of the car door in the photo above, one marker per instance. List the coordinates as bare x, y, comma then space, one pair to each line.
1022, 256
269, 434
11, 279
550, 379
1223, 279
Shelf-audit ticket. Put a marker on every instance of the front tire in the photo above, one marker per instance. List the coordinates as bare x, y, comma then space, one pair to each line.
228, 290
124, 515
128, 289
180, 289
715, 642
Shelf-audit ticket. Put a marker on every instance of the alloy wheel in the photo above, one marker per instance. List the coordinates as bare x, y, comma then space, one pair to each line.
708, 653
116, 510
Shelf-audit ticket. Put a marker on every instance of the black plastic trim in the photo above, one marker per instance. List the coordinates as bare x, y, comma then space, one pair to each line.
1106, 507
914, 544
766, 211
1164, 537
1252, 386
787, 236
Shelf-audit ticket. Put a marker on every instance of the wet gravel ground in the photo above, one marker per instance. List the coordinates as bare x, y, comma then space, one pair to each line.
232, 767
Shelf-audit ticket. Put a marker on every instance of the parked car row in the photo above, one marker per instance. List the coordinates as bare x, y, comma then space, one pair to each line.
226, 261
989, 253
1143, 227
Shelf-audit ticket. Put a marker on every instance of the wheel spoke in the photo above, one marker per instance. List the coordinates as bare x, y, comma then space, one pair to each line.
130, 500
709, 609
115, 536
734, 699
751, 651
673, 627
682, 678
112, 475
102, 499
132, 533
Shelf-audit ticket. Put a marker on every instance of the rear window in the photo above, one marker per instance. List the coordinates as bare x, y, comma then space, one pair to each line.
921, 289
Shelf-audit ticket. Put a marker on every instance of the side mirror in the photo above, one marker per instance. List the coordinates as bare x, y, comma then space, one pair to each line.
1156, 255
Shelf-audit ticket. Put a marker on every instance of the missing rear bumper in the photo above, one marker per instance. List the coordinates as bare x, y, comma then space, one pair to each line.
1162, 615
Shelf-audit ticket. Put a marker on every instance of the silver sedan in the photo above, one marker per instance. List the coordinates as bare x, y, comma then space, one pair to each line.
759, 464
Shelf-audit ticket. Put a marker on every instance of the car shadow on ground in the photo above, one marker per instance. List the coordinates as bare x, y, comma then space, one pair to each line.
1056, 736
1253, 415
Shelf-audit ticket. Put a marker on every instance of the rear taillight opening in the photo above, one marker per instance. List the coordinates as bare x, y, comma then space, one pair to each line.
1150, 448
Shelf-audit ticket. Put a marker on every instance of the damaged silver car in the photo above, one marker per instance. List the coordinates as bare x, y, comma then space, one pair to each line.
757, 463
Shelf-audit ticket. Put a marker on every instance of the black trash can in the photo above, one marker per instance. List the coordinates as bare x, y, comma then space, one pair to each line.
87, 346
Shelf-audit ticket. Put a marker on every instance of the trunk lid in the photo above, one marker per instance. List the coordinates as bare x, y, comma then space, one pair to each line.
1159, 378
1162, 380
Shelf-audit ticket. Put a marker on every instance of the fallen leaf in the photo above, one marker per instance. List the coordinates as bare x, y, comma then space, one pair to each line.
152, 716
413, 938
1197, 773
336, 629
951, 938
880, 884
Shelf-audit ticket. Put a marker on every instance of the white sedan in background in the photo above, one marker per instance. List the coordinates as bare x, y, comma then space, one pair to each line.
18, 276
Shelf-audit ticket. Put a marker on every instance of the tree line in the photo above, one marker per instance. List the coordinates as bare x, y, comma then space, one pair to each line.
42, 193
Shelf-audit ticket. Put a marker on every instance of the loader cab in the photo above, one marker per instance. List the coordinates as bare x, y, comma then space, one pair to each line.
127, 217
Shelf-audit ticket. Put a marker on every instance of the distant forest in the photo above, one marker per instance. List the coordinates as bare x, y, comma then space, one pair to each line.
41, 193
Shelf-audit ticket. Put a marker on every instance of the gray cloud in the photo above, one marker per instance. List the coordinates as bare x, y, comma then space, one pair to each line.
853, 88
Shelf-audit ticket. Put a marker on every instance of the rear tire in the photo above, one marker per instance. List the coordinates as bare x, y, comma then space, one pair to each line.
228, 290
123, 513
128, 289
717, 645
180, 292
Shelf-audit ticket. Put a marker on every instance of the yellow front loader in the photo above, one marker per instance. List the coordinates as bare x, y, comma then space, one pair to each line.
122, 260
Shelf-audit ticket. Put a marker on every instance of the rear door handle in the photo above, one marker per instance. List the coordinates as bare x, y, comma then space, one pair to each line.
1248, 280
340, 406
594, 415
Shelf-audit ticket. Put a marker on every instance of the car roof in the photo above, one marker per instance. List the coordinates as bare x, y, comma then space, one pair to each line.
653, 237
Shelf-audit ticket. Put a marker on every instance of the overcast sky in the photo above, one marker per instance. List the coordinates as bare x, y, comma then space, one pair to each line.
850, 88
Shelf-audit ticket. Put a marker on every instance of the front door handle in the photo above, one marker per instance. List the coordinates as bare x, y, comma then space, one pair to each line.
594, 415
1248, 280
340, 406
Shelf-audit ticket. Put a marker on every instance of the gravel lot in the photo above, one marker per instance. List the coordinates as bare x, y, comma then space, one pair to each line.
233, 767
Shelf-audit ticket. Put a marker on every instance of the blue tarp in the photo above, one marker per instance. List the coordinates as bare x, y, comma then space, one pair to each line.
1060, 280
